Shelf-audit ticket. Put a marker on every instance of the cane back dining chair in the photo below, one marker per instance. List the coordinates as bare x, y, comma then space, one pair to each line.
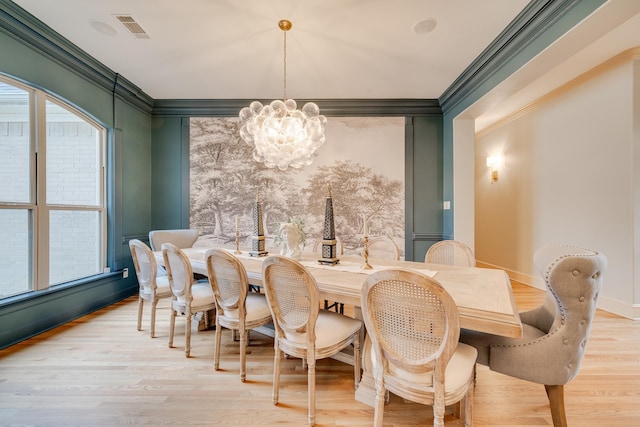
413, 330
152, 287
236, 307
450, 252
301, 329
383, 247
188, 295
317, 247
555, 334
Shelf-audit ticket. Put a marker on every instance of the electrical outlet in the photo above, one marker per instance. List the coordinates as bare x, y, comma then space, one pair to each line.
125, 273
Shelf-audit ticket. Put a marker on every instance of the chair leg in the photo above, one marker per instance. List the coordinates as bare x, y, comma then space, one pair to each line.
276, 374
154, 305
140, 304
467, 403
216, 354
311, 380
172, 327
356, 361
244, 338
438, 412
378, 413
556, 401
187, 333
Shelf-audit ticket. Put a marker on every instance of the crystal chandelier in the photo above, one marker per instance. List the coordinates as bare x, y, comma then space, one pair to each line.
282, 135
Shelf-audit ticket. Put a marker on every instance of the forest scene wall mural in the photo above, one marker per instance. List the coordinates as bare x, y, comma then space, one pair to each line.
362, 160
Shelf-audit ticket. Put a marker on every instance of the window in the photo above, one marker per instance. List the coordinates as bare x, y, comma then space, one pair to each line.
52, 191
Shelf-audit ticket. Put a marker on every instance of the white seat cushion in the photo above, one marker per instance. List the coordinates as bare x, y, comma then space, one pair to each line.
456, 375
256, 306
331, 328
162, 283
202, 294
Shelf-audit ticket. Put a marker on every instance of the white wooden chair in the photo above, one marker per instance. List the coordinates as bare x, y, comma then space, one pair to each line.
413, 327
450, 252
301, 328
236, 308
317, 247
383, 247
188, 296
152, 287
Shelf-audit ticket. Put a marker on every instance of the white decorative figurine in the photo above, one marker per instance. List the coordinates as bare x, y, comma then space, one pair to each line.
291, 240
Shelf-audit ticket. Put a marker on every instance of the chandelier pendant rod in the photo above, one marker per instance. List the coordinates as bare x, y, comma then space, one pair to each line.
285, 26
282, 135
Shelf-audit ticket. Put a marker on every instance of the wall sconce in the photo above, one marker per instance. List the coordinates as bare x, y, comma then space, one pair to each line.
492, 163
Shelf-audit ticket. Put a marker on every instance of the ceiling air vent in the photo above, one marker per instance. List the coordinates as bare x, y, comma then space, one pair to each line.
133, 27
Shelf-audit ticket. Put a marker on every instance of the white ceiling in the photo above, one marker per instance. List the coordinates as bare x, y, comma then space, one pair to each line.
344, 49
228, 49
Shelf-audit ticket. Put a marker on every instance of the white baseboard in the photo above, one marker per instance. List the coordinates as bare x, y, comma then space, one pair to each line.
516, 276
630, 311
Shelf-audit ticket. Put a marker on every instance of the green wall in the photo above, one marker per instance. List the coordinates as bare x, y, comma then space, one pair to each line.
170, 171
424, 186
47, 63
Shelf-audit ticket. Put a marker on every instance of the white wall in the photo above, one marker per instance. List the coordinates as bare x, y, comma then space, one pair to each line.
569, 176
463, 164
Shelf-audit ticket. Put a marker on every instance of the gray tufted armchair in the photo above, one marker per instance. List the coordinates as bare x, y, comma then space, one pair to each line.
556, 333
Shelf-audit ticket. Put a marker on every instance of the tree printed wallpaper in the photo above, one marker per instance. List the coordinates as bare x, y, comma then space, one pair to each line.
362, 159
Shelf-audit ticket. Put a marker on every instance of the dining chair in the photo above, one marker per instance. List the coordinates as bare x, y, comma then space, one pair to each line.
237, 309
181, 238
555, 334
152, 287
413, 329
317, 247
301, 328
450, 252
188, 295
383, 247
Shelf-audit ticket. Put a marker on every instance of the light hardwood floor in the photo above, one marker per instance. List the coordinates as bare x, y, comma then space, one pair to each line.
100, 371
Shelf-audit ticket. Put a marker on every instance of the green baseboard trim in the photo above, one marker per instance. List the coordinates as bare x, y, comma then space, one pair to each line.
31, 314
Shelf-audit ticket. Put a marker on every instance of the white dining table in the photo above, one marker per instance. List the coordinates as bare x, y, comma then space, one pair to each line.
483, 296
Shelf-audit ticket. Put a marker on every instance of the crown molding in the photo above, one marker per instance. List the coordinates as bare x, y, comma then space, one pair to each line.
24, 27
328, 107
27, 29
624, 57
526, 29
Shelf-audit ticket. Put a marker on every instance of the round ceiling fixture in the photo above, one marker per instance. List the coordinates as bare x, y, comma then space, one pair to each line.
103, 27
425, 26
